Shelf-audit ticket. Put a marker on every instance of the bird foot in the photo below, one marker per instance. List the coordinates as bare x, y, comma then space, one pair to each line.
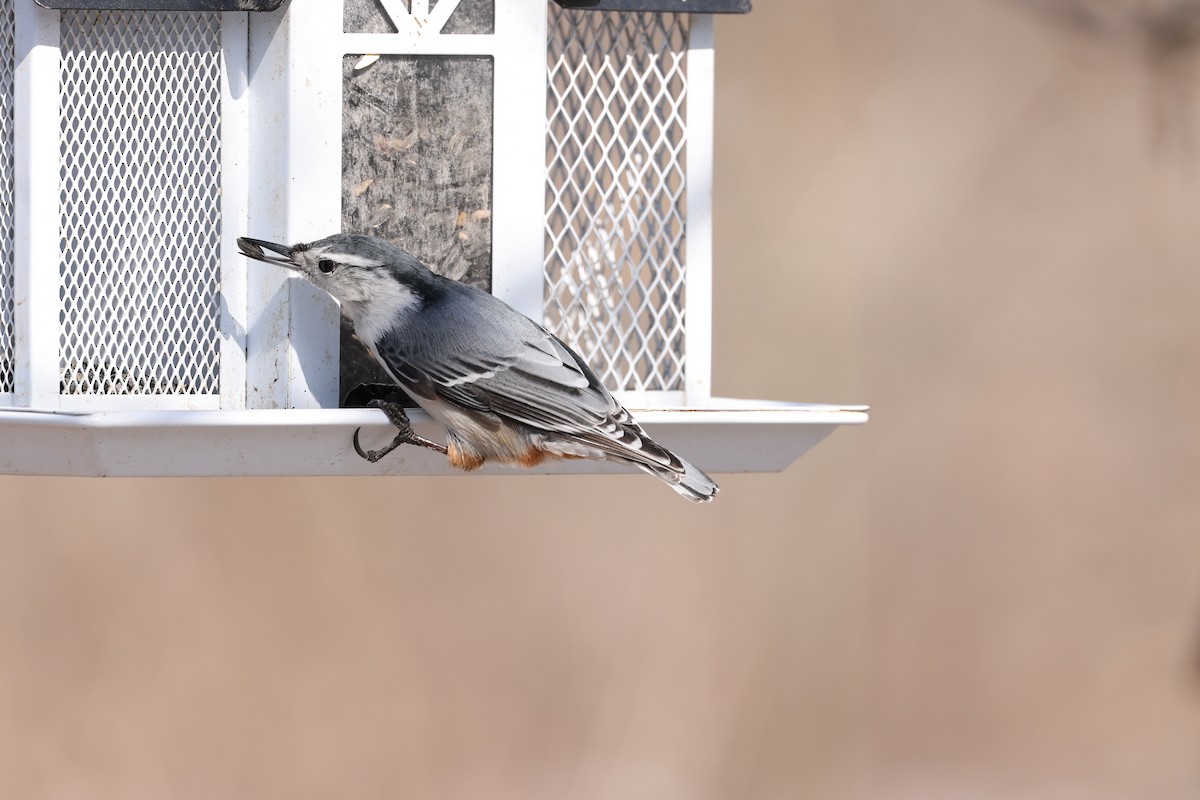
406, 435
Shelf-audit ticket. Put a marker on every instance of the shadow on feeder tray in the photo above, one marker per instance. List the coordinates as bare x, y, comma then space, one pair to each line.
363, 380
366, 394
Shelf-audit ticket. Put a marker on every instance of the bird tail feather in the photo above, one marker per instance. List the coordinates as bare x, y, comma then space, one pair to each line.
692, 484
649, 456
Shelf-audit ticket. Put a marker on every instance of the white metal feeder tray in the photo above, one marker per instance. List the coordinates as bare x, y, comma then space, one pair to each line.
559, 157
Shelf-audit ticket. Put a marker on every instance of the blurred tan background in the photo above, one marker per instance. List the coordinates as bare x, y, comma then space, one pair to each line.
978, 216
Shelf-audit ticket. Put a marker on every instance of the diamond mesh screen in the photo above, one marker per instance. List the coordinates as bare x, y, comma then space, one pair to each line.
7, 65
140, 201
615, 212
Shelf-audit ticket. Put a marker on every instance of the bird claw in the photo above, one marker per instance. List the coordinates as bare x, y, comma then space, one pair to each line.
373, 455
406, 435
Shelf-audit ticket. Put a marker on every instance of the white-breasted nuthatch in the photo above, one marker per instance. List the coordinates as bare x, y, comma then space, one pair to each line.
504, 387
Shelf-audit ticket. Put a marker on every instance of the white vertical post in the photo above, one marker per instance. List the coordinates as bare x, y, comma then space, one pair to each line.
519, 172
314, 171
36, 219
266, 292
295, 178
234, 198
698, 280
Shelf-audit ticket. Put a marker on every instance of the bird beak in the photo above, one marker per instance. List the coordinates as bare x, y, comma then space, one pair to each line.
253, 248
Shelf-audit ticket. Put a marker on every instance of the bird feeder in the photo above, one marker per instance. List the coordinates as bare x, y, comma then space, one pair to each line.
559, 155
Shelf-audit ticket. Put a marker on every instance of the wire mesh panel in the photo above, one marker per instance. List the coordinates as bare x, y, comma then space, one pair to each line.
615, 198
7, 165
140, 202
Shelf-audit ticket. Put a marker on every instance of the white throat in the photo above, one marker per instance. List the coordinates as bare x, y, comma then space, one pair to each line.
389, 305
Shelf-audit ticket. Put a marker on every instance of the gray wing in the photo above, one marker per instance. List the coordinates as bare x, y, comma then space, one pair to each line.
501, 364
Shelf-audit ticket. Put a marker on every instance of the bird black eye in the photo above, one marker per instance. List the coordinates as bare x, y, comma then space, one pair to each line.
326, 266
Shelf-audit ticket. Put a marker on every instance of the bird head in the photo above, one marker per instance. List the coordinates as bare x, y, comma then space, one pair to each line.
353, 269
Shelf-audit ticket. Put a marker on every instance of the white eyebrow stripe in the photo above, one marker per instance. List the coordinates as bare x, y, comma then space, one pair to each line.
355, 261
347, 258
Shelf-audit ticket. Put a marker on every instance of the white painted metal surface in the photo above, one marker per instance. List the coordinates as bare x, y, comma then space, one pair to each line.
698, 291
733, 438
35, 240
235, 196
267, 163
295, 172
